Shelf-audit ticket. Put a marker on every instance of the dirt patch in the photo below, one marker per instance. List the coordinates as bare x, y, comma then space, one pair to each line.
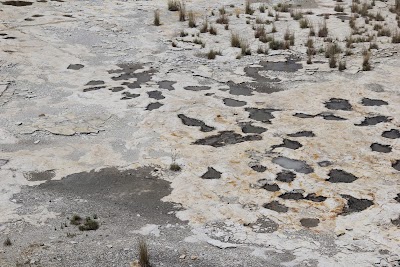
195, 122
340, 176
226, 138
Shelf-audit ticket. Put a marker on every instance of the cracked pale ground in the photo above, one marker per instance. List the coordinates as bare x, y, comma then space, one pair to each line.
49, 123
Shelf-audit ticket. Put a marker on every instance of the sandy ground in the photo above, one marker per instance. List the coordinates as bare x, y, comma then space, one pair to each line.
283, 163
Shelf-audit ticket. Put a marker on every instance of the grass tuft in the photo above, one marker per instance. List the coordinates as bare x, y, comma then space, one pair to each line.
156, 20
192, 20
89, 225
144, 257
7, 242
173, 5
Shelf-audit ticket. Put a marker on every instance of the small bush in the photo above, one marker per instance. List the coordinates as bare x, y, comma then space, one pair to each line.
89, 225
7, 242
259, 31
309, 60
342, 65
198, 41
144, 257
223, 19
212, 30
373, 46
235, 40
259, 21
174, 166
296, 15
273, 30
182, 11
192, 20
76, 220
276, 45
173, 5
248, 9
312, 31
366, 66
332, 50
332, 62
379, 17
262, 8
352, 22
354, 8
396, 38
204, 27
222, 11
339, 8
323, 30
304, 23
377, 27
262, 50
282, 7
156, 20
384, 32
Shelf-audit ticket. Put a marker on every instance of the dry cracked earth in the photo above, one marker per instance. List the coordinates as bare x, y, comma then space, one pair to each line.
263, 153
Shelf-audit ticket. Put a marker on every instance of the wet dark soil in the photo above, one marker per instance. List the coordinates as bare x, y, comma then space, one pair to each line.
373, 102
355, 204
286, 176
381, 148
211, 174
309, 222
369, 121
302, 134
338, 104
391, 134
195, 122
226, 138
340, 176
276, 206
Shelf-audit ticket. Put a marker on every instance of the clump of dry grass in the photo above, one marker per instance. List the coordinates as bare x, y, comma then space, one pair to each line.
273, 30
235, 40
277, 45
366, 65
204, 27
295, 14
339, 8
7, 242
323, 30
173, 5
396, 38
289, 37
342, 65
144, 257
259, 31
212, 54
379, 17
192, 20
262, 50
304, 23
182, 11
282, 7
248, 10
212, 30
223, 19
332, 49
261, 8
332, 62
175, 167
156, 20
384, 32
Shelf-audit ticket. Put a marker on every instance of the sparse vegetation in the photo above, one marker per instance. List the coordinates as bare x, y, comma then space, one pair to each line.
373, 45
76, 220
182, 11
245, 48
304, 23
173, 5
174, 166
396, 38
312, 31
296, 15
262, 50
276, 45
339, 8
144, 257
366, 66
223, 19
89, 225
332, 62
323, 30
7, 242
259, 31
204, 27
248, 10
192, 20
282, 7
156, 20
212, 30
235, 40
273, 30
342, 65
384, 32
332, 49
379, 17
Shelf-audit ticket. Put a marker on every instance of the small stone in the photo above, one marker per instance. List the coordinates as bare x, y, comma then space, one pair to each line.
109, 246
18, 123
193, 257
36, 142
182, 256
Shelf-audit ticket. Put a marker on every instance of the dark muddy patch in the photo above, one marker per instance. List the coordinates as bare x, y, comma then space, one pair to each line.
75, 66
288, 144
117, 89
261, 83
264, 225
373, 102
309, 222
40, 176
355, 204
239, 89
331, 117
369, 121
381, 148
259, 168
287, 66
286, 176
37, 16
155, 105
95, 83
195, 122
303, 115
17, 3
226, 138
197, 88
302, 134
340, 176
156, 95
391, 134
128, 72
276, 206
211, 174
168, 85
396, 165
324, 163
128, 192
338, 104
271, 187
293, 164
292, 196
93, 88
247, 127
234, 103
264, 114
127, 95
314, 198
